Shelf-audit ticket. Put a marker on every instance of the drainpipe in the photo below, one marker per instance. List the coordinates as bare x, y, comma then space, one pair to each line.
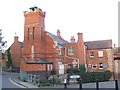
85, 48
73, 58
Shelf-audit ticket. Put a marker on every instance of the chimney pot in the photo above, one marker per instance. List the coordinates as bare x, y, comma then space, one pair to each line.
72, 39
58, 33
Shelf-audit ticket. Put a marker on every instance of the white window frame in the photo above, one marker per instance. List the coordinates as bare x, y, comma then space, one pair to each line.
100, 54
71, 51
51, 67
100, 65
94, 65
89, 65
48, 67
59, 51
91, 53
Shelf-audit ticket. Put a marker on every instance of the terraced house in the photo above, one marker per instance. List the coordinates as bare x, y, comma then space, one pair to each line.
99, 56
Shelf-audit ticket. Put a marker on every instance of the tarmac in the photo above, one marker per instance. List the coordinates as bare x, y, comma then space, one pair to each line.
108, 84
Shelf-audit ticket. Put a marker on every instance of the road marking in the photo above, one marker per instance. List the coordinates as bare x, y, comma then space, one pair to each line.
16, 83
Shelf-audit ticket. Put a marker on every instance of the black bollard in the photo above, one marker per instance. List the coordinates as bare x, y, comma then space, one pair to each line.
97, 85
116, 84
80, 83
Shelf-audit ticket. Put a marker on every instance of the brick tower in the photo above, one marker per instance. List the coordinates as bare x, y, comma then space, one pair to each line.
33, 33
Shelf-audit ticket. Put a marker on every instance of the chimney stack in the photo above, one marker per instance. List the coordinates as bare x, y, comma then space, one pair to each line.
80, 37
114, 46
72, 39
16, 38
58, 33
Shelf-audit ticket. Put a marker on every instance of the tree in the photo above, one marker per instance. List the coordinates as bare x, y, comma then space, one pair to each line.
2, 44
9, 61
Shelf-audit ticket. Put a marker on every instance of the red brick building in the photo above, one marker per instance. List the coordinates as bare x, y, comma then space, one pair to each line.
43, 51
16, 52
99, 56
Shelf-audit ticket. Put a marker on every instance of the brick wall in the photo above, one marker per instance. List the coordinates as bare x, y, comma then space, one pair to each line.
106, 59
16, 52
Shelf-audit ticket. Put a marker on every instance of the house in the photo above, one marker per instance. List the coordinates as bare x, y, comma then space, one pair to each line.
99, 56
16, 53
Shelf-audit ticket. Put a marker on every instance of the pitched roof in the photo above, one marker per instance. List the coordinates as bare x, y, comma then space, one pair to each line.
58, 39
40, 61
101, 44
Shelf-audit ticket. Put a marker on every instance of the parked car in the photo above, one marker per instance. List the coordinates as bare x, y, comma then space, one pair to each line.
74, 76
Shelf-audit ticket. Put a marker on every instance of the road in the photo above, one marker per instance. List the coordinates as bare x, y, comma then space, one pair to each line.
6, 83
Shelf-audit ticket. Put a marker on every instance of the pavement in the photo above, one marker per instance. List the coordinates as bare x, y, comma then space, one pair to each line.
108, 84
22, 84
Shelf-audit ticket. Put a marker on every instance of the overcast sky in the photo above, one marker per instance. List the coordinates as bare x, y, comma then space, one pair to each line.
96, 19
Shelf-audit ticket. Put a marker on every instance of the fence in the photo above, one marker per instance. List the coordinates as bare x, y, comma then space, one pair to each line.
58, 79
92, 77
97, 84
40, 81
55, 80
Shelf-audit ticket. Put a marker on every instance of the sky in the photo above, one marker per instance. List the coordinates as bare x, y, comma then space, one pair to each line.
96, 19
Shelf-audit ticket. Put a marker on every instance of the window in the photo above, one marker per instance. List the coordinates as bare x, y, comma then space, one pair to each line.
48, 67
89, 65
32, 51
91, 54
94, 66
59, 51
100, 66
100, 54
71, 51
28, 33
33, 32
51, 67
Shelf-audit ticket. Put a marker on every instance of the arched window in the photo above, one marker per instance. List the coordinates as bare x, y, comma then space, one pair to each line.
33, 32
32, 51
28, 33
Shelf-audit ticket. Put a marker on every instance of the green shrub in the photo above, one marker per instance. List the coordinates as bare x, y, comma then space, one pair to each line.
93, 76
53, 72
75, 70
